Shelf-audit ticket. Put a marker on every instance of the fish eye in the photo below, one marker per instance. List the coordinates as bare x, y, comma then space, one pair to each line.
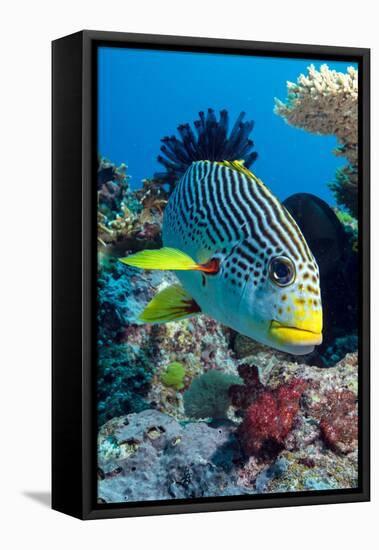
282, 271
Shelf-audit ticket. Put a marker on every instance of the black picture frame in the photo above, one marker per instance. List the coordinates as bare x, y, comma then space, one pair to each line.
74, 273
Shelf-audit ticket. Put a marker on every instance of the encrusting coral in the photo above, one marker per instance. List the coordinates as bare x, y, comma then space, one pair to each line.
326, 102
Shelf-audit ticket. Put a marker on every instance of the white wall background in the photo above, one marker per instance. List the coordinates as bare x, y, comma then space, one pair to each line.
27, 27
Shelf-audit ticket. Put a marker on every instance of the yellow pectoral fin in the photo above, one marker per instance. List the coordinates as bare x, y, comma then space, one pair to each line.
171, 304
169, 259
165, 258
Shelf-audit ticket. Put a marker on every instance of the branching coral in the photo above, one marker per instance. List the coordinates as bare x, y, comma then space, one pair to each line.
326, 102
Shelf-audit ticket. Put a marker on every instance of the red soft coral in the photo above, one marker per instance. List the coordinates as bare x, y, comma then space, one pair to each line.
270, 419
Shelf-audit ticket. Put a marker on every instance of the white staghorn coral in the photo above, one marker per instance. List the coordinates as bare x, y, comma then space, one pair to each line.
325, 102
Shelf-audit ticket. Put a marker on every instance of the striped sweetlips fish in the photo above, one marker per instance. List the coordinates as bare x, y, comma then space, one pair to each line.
239, 255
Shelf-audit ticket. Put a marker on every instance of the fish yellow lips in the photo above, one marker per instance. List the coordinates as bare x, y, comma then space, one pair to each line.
284, 334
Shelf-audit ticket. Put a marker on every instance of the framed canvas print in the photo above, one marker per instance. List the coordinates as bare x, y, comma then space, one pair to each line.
210, 274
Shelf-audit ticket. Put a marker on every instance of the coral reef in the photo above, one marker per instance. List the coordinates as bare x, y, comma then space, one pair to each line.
123, 380
345, 188
338, 415
174, 375
350, 225
122, 295
326, 102
243, 395
150, 456
208, 395
320, 450
199, 344
339, 348
264, 358
126, 219
270, 418
112, 186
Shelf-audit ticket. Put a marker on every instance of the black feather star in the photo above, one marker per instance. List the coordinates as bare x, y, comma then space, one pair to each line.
209, 141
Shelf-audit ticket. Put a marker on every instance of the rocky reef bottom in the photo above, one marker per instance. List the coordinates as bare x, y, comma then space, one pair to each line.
303, 423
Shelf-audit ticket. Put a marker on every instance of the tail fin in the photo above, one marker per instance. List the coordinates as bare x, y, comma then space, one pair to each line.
211, 142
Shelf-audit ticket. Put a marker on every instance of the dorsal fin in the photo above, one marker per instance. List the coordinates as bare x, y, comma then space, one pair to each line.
239, 166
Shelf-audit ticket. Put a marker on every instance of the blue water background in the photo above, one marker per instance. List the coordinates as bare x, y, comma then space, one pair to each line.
144, 95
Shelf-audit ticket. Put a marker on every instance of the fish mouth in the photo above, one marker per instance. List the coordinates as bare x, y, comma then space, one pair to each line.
295, 336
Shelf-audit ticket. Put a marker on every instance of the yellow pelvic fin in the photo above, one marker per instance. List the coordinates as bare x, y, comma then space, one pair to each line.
165, 258
171, 304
